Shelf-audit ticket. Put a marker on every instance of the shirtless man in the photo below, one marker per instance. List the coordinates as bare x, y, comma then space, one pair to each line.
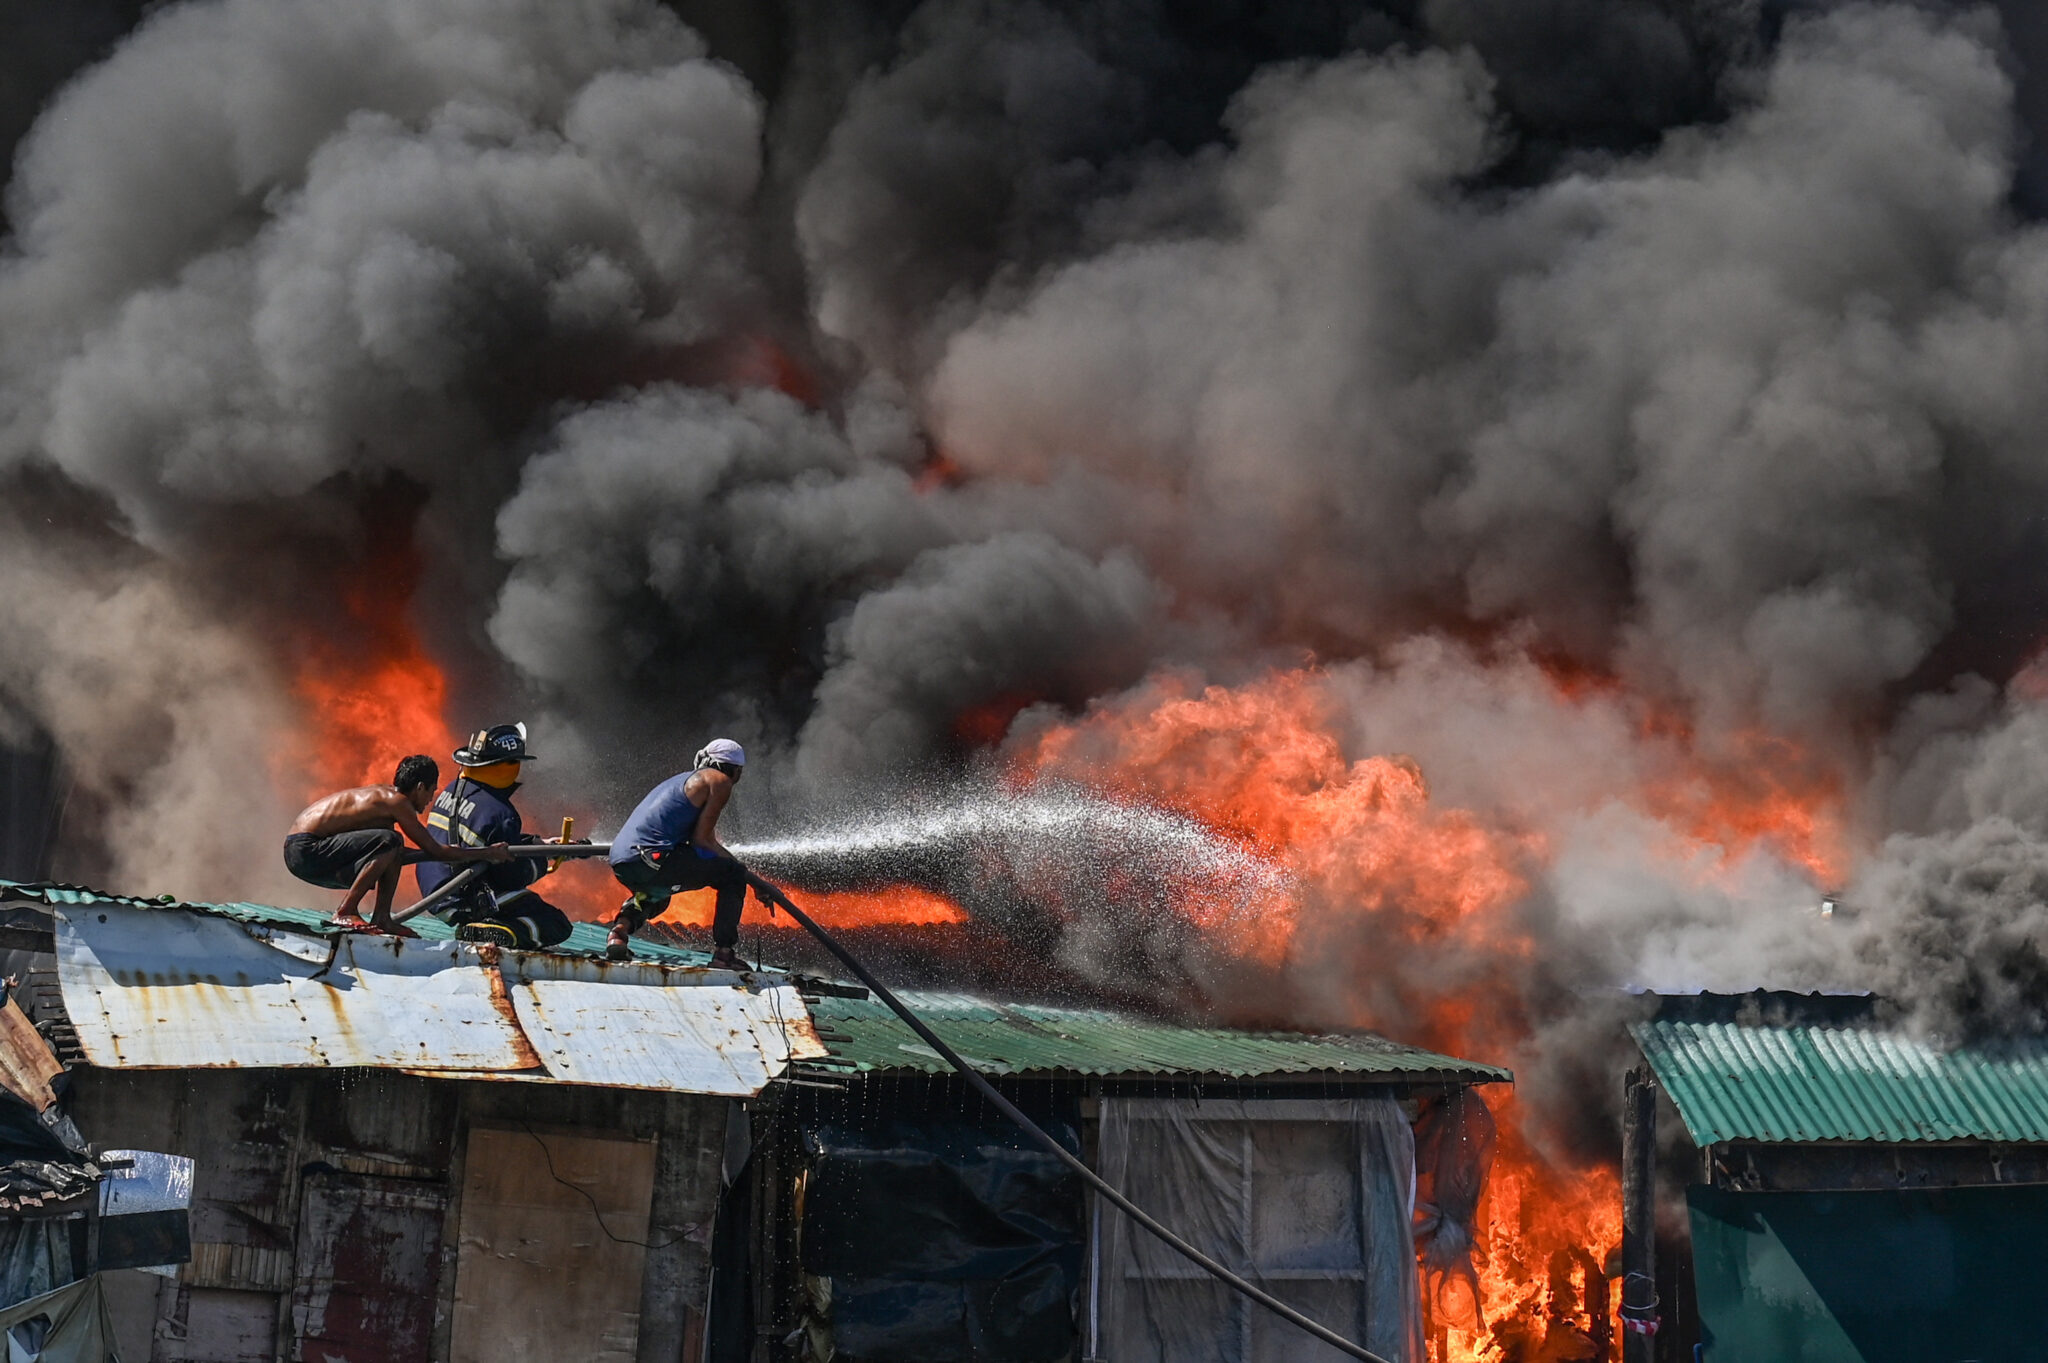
347, 841
670, 842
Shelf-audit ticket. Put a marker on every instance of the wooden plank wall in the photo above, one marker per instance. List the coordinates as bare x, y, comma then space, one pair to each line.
262, 1138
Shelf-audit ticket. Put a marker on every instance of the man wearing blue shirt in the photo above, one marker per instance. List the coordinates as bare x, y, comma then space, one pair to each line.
670, 842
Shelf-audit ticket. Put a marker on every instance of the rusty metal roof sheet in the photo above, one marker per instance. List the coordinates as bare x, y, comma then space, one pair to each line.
163, 989
617, 1025
1731, 1081
150, 987
1002, 1038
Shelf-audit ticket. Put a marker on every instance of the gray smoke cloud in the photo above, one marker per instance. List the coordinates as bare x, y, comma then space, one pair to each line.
1630, 407
46, 45
264, 245
1015, 357
267, 257
110, 659
1742, 418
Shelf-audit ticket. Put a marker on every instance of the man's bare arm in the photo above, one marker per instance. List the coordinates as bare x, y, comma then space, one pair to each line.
719, 790
436, 850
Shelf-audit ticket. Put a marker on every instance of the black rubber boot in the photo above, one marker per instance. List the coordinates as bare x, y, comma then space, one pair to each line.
619, 946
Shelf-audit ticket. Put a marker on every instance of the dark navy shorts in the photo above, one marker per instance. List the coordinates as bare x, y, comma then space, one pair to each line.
333, 861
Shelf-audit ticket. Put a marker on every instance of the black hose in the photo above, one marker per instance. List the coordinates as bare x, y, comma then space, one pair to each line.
553, 851
1069, 1158
448, 887
474, 869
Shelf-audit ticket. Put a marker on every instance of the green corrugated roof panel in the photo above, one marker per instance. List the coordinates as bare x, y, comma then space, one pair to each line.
588, 939
1026, 1038
1809, 1083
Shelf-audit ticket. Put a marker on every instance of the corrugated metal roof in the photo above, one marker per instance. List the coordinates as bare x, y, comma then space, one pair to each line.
168, 988
577, 1029
1026, 1039
1858, 1083
631, 1025
163, 989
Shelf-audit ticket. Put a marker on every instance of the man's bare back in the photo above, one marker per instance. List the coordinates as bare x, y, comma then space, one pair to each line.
352, 839
345, 811
363, 807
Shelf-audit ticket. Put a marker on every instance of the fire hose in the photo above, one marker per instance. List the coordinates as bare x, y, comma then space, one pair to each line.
462, 879
771, 894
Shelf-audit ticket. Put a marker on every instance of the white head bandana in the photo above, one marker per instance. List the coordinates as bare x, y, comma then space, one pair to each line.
721, 750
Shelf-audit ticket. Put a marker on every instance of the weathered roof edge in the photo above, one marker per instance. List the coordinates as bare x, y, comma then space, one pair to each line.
1036, 1039
586, 940
153, 986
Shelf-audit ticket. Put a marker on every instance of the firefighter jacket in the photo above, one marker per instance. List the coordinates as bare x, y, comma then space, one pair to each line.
470, 814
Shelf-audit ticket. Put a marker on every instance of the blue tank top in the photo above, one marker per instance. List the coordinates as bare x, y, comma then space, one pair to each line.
664, 820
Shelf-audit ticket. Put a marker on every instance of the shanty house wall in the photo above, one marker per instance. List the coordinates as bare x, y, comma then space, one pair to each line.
268, 1144
784, 1307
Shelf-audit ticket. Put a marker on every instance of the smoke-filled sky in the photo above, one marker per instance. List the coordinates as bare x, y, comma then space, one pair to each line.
1564, 399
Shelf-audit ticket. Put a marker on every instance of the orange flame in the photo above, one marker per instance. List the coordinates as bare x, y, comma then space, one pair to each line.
369, 701
1260, 763
1545, 1237
940, 470
586, 891
1414, 905
896, 905
1758, 790
1772, 799
907, 905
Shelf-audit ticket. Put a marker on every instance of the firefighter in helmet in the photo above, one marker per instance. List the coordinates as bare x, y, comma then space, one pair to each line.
476, 810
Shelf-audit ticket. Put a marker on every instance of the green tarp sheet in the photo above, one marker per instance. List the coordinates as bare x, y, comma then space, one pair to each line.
1948, 1276
69, 1325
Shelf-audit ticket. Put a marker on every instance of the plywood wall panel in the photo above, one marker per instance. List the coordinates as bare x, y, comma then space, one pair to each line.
550, 1259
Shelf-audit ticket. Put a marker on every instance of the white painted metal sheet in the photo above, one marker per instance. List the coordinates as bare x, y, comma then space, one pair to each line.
157, 989
635, 1025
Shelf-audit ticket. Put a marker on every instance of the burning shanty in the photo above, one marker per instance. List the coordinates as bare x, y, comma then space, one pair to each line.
350, 1148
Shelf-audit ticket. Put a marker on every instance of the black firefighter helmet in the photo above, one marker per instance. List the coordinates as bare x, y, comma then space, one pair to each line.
499, 743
